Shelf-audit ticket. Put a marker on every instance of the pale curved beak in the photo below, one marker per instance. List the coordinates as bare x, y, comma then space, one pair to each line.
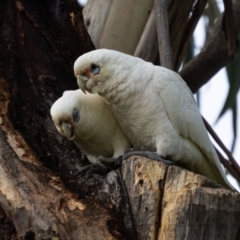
81, 81
68, 130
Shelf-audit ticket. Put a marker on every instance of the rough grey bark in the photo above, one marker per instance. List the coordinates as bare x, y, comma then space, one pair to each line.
39, 197
35, 203
168, 202
36, 62
143, 200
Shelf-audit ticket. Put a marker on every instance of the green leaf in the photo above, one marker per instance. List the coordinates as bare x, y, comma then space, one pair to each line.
233, 72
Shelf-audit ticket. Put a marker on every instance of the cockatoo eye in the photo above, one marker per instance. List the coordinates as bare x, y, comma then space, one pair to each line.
75, 115
94, 69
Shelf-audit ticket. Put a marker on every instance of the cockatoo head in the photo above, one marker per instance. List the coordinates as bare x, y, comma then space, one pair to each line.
65, 113
94, 69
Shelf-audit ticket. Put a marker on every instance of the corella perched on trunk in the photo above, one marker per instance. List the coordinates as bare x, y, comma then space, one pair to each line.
90, 123
154, 107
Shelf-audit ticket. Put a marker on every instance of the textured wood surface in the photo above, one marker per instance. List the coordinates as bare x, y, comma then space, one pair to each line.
169, 202
144, 199
35, 203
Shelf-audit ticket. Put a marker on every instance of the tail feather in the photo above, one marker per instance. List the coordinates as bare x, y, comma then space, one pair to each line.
211, 171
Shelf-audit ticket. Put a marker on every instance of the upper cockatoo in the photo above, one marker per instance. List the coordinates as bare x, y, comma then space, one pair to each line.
90, 123
154, 107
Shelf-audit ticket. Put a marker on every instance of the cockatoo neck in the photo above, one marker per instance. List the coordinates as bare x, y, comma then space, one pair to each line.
123, 79
113, 94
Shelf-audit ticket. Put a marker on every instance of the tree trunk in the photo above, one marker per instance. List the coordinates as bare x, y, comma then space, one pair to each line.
143, 200
116, 24
168, 202
35, 204
39, 198
39, 43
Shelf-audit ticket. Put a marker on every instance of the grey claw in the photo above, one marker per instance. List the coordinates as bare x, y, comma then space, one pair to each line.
92, 168
112, 163
108, 162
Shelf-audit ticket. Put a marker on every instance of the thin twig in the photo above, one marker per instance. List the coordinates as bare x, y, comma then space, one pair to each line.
228, 165
197, 72
165, 50
188, 31
228, 21
220, 143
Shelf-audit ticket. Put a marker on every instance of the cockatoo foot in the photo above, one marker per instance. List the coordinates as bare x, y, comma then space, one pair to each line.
92, 168
114, 163
107, 162
147, 154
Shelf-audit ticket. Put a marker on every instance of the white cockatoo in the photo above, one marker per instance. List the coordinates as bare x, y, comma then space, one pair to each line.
154, 107
90, 123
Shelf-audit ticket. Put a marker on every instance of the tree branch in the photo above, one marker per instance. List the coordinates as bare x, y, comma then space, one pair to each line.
228, 166
223, 147
229, 26
188, 32
215, 54
147, 47
163, 34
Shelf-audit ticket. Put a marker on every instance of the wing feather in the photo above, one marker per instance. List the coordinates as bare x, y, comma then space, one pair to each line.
183, 113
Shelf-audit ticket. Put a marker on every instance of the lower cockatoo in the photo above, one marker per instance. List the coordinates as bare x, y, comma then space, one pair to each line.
154, 106
90, 123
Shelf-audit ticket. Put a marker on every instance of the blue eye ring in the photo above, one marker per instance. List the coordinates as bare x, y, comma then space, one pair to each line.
94, 69
75, 115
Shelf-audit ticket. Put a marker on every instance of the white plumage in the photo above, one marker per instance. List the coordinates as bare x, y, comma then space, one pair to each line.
90, 123
154, 107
